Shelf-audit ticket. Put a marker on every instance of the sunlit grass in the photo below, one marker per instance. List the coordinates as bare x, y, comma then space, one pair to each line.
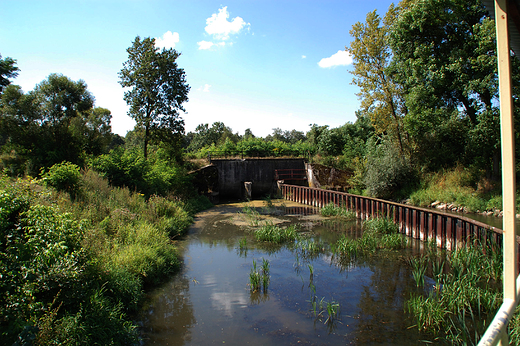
275, 234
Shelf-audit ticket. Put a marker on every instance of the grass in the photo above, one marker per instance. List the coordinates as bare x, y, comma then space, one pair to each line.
465, 298
460, 187
275, 234
92, 257
332, 209
259, 277
378, 234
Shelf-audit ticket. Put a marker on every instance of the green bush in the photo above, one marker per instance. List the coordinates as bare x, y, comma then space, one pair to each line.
70, 282
63, 176
156, 175
387, 171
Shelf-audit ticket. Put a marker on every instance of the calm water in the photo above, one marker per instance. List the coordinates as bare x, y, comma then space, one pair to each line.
210, 303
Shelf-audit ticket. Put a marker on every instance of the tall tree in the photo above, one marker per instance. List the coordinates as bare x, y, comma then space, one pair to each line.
52, 123
7, 70
445, 59
381, 97
157, 89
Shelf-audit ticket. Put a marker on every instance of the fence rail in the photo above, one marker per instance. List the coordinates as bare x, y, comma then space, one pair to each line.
447, 230
219, 154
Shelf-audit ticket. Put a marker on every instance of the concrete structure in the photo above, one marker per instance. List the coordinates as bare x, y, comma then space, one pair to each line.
232, 174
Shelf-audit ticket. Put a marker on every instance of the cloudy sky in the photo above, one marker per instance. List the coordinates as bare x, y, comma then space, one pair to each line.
250, 64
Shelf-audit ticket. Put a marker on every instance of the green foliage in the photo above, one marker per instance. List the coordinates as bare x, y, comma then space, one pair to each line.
460, 186
129, 168
65, 281
7, 70
259, 277
387, 171
382, 98
274, 234
40, 258
378, 233
53, 123
463, 302
333, 210
63, 176
157, 90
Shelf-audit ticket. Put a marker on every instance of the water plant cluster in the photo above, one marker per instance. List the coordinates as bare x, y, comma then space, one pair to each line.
276, 234
74, 265
465, 295
320, 307
332, 209
455, 308
259, 276
378, 233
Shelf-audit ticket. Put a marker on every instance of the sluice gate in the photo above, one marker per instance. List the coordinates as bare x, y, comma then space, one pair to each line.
447, 230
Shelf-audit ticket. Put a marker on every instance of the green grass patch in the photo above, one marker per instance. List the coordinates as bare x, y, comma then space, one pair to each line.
334, 210
275, 234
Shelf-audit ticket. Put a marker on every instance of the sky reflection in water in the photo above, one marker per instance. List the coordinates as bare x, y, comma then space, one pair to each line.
210, 302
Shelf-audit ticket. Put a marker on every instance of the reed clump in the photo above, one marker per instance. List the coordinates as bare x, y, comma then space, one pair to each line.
272, 233
378, 234
259, 276
332, 209
465, 296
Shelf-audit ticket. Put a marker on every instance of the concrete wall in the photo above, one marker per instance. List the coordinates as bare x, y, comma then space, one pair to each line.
232, 174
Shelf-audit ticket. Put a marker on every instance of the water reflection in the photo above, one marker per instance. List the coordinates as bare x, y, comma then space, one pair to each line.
210, 301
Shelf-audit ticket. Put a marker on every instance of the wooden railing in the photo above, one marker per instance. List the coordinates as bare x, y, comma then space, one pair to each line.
447, 230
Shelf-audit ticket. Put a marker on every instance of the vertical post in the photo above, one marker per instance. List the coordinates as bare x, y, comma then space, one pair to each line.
508, 153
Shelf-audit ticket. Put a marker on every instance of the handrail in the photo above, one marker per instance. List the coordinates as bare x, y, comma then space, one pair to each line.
501, 320
447, 230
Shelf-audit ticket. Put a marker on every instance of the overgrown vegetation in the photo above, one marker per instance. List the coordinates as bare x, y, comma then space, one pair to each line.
73, 269
378, 234
465, 296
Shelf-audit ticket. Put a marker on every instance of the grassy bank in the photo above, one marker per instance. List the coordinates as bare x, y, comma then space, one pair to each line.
460, 186
75, 265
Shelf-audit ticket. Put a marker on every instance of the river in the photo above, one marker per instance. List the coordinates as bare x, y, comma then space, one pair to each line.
210, 301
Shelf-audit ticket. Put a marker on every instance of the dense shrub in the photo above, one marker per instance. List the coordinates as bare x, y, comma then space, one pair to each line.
156, 175
63, 176
387, 171
66, 281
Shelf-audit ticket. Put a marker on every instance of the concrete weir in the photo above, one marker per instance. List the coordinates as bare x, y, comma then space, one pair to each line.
259, 174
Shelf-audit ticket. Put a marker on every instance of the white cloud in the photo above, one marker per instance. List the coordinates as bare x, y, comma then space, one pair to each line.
205, 88
304, 56
168, 40
219, 26
207, 44
341, 58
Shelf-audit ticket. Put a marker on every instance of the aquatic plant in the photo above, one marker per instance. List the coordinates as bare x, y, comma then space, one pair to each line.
252, 214
465, 298
274, 234
380, 225
310, 248
333, 311
332, 209
254, 278
418, 269
259, 278
242, 243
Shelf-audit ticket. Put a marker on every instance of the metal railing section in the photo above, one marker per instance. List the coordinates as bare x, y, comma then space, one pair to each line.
447, 230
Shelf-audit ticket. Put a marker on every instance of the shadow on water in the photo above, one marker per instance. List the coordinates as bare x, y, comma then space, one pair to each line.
210, 301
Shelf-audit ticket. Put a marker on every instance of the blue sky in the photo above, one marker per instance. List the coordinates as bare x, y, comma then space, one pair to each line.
250, 64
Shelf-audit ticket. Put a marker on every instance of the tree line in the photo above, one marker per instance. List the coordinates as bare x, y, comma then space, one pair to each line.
428, 86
